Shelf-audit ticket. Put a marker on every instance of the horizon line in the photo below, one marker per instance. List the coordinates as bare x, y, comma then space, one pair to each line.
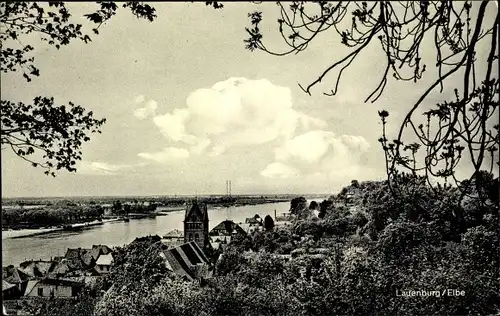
163, 195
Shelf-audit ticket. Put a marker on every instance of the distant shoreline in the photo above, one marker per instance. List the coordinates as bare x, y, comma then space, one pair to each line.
161, 211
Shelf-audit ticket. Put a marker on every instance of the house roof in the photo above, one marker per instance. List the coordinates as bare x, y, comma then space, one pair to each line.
62, 267
13, 275
98, 250
227, 227
150, 238
105, 259
81, 254
57, 282
37, 268
182, 258
6, 285
174, 233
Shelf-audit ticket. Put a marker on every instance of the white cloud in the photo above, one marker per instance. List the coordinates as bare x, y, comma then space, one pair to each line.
279, 170
103, 168
139, 99
148, 110
241, 112
167, 154
237, 111
217, 150
324, 157
355, 142
309, 147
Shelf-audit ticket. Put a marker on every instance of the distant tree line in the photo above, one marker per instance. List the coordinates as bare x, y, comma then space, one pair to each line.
50, 216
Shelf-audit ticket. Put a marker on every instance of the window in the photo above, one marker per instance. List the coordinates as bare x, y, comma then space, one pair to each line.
190, 237
196, 238
40, 291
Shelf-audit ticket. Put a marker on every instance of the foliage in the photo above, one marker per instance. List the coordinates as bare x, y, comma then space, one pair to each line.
43, 128
456, 129
336, 266
138, 265
50, 216
268, 222
297, 204
313, 205
55, 131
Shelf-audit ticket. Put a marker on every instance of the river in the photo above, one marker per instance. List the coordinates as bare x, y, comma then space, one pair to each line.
17, 250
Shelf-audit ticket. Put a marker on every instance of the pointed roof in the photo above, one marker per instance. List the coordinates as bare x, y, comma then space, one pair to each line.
98, 250
13, 275
6, 285
197, 209
36, 268
228, 228
80, 254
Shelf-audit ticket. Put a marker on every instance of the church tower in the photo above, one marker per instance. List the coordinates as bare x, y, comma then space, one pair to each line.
196, 224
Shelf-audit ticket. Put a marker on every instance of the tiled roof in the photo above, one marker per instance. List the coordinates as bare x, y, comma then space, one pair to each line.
37, 268
227, 227
98, 250
174, 233
62, 267
151, 239
6, 285
183, 258
13, 275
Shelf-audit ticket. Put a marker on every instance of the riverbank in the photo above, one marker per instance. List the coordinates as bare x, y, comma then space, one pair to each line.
21, 233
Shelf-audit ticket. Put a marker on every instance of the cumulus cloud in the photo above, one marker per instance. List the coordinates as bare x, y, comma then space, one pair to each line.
167, 154
149, 108
309, 147
242, 112
323, 156
140, 98
237, 111
103, 168
279, 170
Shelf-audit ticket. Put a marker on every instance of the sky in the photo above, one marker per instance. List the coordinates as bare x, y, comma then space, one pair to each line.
188, 108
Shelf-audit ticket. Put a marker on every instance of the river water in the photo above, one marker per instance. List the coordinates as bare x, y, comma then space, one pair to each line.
17, 250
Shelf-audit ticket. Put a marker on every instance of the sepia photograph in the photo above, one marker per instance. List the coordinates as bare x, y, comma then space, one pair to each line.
253, 158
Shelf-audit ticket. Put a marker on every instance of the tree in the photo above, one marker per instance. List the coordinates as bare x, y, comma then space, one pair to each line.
313, 205
355, 184
44, 133
462, 128
268, 222
297, 204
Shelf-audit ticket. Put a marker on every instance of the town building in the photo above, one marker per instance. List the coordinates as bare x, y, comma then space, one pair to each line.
173, 238
103, 263
13, 282
52, 288
227, 228
196, 224
222, 233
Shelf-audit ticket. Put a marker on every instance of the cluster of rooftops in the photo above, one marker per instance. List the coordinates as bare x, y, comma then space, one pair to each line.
65, 276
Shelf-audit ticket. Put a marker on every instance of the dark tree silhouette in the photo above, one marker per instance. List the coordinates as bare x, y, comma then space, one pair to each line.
313, 205
466, 127
268, 222
43, 133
